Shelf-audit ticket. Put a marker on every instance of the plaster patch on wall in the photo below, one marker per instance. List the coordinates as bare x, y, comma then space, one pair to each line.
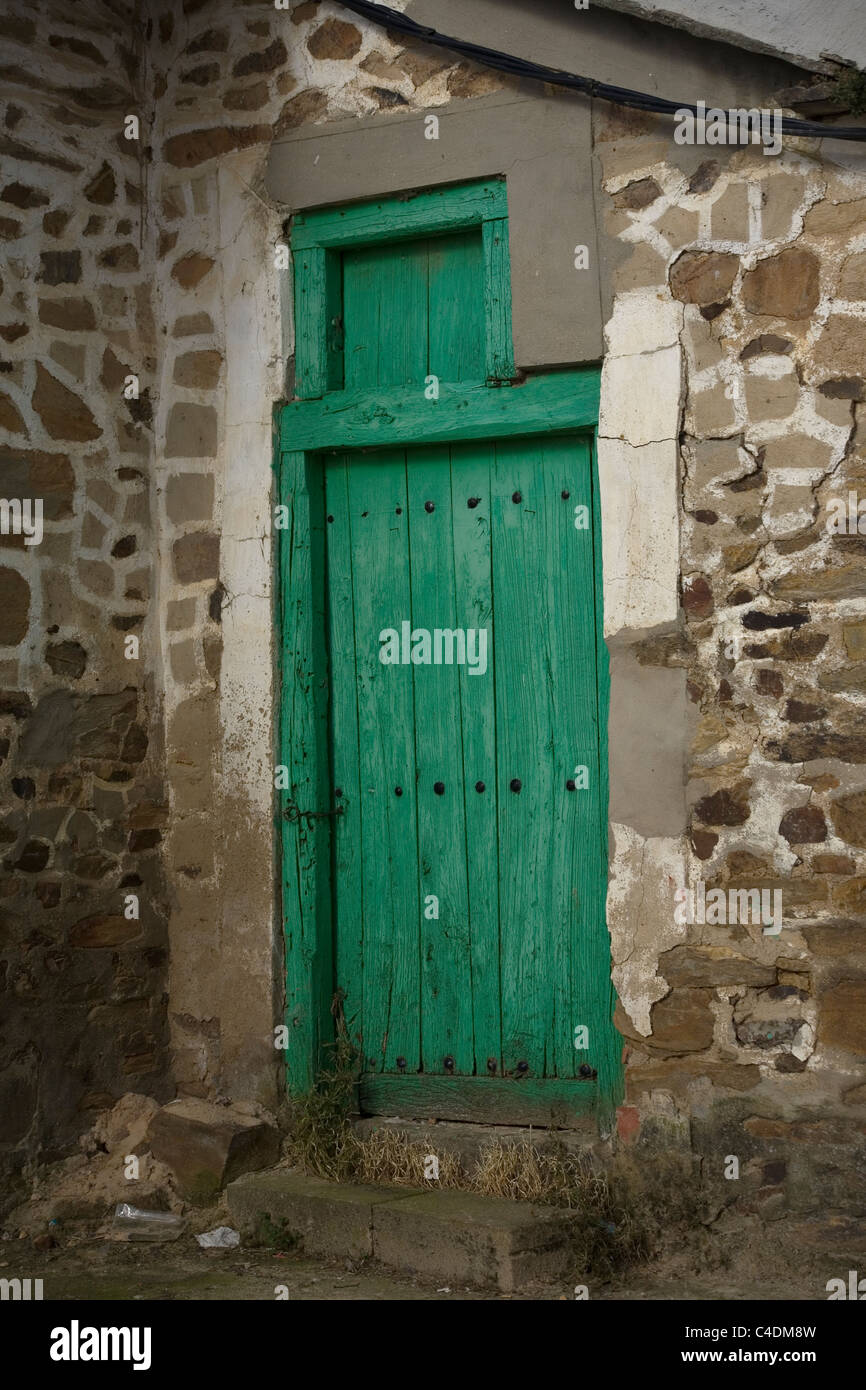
645, 874
251, 296
641, 391
640, 533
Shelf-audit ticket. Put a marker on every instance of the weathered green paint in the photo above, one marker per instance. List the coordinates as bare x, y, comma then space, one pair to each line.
391, 337
524, 898
318, 352
462, 261
303, 750
519, 954
428, 213
484, 1100
380, 418
497, 299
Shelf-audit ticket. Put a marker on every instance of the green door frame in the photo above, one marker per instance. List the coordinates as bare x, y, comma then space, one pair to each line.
322, 419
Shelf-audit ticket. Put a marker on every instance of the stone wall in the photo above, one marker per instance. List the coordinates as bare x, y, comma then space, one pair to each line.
81, 786
732, 384
228, 79
732, 321
754, 267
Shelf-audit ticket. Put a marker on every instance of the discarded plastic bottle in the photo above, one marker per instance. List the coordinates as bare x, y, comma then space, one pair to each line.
130, 1223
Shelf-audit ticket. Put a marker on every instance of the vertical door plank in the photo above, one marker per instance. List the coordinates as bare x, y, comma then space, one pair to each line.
403, 353
470, 478
577, 868
497, 300
311, 349
303, 749
446, 977
456, 332
345, 773
385, 316
380, 558
521, 598
362, 327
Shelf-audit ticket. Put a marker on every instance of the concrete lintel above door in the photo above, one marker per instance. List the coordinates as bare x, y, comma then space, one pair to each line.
541, 144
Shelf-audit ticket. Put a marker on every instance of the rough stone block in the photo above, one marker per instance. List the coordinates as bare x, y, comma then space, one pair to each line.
679, 226
840, 346
781, 197
191, 431
842, 1016
786, 285
200, 370
835, 219
703, 277
196, 557
730, 214
14, 607
852, 283
798, 451
206, 1146
771, 398
189, 497
644, 268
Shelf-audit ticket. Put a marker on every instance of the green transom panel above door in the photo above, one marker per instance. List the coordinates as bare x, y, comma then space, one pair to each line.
413, 310
444, 680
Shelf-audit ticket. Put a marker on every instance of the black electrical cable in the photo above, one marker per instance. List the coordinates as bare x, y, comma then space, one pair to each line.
520, 67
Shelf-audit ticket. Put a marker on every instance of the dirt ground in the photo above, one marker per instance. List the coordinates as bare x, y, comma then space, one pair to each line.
63, 1235
787, 1261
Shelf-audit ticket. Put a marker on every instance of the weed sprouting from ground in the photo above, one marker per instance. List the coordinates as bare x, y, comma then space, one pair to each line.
322, 1139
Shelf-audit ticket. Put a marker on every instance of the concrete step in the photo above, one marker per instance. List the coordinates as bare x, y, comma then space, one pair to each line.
456, 1238
327, 1218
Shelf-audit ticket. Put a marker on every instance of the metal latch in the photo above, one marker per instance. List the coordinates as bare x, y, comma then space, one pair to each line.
293, 813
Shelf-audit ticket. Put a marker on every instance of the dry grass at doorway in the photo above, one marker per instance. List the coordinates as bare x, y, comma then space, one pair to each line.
631, 1208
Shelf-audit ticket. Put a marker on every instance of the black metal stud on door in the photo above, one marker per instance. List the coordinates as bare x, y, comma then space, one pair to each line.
448, 1063
515, 784
439, 788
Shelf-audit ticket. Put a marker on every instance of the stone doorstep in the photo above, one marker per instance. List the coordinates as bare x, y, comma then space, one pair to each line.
456, 1237
464, 1239
466, 1141
331, 1219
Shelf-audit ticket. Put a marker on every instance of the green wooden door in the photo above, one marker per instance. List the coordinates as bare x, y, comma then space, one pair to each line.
469, 861
457, 899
